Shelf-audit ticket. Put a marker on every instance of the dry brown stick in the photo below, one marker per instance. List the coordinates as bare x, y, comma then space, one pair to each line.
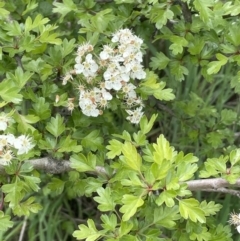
209, 185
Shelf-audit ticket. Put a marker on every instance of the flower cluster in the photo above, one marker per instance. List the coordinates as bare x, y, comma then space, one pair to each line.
8, 141
112, 72
235, 220
4, 121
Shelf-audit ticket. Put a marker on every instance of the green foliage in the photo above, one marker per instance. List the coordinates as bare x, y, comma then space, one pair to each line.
103, 178
5, 222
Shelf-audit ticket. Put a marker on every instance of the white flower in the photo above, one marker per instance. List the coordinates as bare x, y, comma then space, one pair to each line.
87, 103
10, 139
4, 120
129, 91
135, 115
235, 220
70, 104
88, 68
106, 53
23, 144
84, 48
137, 72
113, 83
6, 157
67, 77
3, 142
91, 110
122, 36
106, 95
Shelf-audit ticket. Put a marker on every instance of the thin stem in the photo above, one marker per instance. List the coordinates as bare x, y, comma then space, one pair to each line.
21, 236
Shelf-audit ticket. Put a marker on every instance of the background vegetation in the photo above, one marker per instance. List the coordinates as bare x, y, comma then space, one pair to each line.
191, 56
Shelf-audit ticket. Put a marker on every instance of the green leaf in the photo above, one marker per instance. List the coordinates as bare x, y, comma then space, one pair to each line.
214, 167
14, 192
131, 203
10, 94
25, 121
159, 62
3, 12
163, 150
203, 7
210, 208
93, 141
125, 136
109, 222
235, 82
56, 126
24, 208
105, 199
133, 180
178, 44
101, 20
131, 157
163, 94
125, 228
151, 86
83, 164
215, 139
160, 16
160, 171
46, 37
196, 45
5, 222
146, 125
56, 185
31, 5
38, 21
68, 145
167, 197
64, 8
234, 157
90, 233
233, 35
204, 235
139, 138
228, 117
165, 217
32, 182
178, 70
92, 184
41, 109
13, 28
115, 148
215, 66
190, 209
67, 47
185, 171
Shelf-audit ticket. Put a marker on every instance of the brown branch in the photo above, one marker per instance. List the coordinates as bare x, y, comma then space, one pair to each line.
210, 183
214, 185
52, 166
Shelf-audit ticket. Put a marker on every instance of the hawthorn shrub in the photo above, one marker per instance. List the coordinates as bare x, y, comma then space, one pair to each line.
119, 120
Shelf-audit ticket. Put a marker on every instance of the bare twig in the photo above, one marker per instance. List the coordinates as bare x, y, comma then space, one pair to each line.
50, 165
210, 183
21, 236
